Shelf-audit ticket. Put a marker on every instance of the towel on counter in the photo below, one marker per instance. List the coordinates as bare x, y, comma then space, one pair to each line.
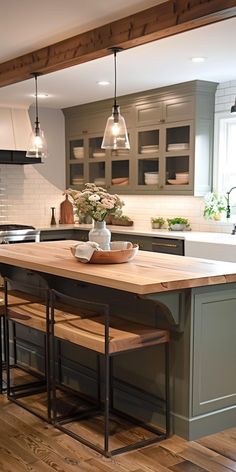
85, 250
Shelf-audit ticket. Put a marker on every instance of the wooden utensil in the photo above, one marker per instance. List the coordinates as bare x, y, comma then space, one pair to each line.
66, 212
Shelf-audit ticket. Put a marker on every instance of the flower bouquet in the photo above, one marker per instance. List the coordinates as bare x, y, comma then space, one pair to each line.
95, 201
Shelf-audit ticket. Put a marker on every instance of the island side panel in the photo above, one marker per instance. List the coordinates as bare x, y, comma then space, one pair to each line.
213, 372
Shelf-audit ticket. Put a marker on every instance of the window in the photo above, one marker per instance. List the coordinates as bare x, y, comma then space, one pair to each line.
225, 153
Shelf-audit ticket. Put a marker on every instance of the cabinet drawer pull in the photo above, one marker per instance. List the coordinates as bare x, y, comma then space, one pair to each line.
165, 245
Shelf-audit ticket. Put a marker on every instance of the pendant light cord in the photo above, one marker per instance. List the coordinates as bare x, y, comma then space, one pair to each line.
36, 104
115, 104
36, 96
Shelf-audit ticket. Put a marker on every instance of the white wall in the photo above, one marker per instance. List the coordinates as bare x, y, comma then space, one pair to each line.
28, 191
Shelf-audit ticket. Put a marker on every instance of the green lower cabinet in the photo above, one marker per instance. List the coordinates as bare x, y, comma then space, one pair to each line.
214, 349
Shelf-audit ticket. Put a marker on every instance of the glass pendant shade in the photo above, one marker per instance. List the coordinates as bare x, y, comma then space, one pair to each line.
115, 135
233, 108
37, 147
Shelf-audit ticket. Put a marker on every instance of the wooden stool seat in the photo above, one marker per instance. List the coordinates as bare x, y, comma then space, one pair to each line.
123, 335
30, 310
81, 329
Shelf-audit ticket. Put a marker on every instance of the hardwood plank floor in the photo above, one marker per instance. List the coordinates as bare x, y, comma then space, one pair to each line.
28, 444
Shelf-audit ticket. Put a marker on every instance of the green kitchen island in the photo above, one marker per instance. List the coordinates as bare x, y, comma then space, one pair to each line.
194, 298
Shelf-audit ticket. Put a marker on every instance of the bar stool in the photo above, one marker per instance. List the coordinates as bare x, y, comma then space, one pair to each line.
12, 297
107, 337
23, 308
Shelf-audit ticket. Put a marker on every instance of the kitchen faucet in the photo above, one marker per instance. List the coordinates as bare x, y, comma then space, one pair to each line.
228, 211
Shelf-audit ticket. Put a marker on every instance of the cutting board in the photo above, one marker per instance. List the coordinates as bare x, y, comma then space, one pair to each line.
66, 212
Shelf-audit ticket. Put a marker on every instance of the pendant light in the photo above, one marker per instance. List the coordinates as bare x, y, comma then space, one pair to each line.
233, 108
115, 135
37, 144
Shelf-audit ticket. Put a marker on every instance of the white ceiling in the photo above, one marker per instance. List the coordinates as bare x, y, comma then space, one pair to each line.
156, 64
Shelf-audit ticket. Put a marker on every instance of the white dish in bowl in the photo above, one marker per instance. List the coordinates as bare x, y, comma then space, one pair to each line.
150, 174
182, 175
151, 178
78, 153
99, 154
177, 146
100, 182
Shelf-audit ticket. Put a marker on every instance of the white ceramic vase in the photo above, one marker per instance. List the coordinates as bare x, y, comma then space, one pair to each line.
101, 235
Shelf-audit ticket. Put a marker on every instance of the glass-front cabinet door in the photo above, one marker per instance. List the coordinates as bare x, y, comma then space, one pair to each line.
148, 159
120, 169
178, 157
76, 163
97, 161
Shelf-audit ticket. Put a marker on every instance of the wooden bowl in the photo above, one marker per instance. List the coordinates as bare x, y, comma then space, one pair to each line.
112, 257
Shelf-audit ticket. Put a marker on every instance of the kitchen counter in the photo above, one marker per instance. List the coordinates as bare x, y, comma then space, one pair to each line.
215, 246
120, 229
147, 273
200, 236
194, 298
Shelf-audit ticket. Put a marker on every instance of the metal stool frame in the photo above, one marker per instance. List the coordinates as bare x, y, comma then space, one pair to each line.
42, 382
108, 407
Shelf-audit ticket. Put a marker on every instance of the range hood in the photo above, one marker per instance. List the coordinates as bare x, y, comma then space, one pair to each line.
15, 129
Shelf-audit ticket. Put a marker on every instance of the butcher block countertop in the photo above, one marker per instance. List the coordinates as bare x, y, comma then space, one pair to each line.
148, 272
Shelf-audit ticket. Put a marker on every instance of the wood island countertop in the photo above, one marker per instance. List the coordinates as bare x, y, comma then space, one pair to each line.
149, 272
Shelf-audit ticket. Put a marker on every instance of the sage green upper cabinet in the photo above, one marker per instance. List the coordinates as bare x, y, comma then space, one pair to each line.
171, 138
166, 110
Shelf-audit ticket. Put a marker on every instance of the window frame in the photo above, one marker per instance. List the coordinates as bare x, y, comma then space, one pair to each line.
221, 120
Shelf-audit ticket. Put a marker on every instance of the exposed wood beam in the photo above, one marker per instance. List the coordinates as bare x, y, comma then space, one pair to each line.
166, 19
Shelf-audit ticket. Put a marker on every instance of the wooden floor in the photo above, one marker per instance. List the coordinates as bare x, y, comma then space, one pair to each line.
31, 445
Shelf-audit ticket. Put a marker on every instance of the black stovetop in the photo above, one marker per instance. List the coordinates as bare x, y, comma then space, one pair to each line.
12, 227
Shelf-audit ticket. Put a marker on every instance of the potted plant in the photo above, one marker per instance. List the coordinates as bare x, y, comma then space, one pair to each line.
157, 222
178, 224
214, 205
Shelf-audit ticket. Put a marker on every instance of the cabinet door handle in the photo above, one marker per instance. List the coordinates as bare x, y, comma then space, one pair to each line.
164, 245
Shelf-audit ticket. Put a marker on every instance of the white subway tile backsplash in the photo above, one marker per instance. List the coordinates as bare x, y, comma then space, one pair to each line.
25, 195
220, 92
230, 90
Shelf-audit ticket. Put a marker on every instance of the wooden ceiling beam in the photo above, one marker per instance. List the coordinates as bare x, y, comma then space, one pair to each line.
161, 21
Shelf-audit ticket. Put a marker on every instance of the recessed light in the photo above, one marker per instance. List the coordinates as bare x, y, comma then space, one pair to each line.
103, 82
41, 95
198, 59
